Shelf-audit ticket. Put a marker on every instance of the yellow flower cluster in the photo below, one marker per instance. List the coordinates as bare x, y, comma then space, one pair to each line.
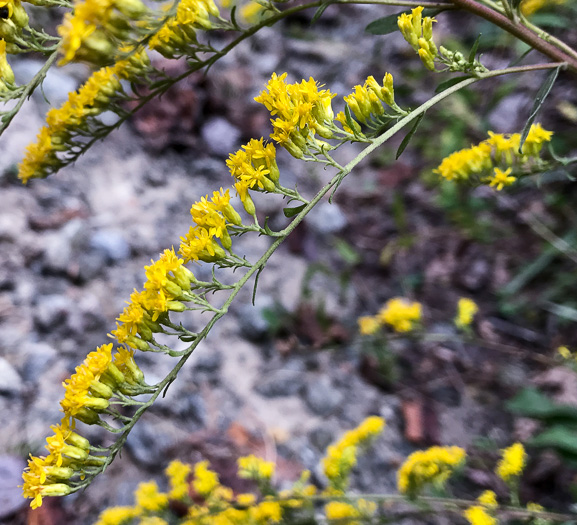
253, 167
483, 514
345, 513
204, 501
6, 73
253, 467
434, 465
483, 162
512, 463
466, 310
87, 394
342, 456
97, 28
63, 123
399, 313
366, 102
178, 31
301, 112
418, 32
478, 515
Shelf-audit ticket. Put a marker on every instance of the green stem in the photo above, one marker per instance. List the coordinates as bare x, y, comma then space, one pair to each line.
30, 87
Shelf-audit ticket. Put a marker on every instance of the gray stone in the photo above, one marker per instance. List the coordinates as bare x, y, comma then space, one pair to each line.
52, 310
10, 380
322, 397
280, 383
38, 356
253, 322
208, 361
11, 499
149, 442
326, 219
111, 244
321, 437
221, 136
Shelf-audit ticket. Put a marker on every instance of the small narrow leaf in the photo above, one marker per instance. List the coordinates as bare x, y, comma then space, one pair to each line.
349, 118
388, 24
539, 99
320, 10
450, 83
473, 52
409, 136
291, 212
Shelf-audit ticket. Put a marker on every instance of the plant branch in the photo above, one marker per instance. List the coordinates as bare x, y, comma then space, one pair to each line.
523, 33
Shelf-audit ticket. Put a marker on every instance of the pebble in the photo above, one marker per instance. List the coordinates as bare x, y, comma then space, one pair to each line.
322, 397
52, 310
38, 356
111, 245
11, 500
252, 318
326, 219
280, 383
220, 136
10, 380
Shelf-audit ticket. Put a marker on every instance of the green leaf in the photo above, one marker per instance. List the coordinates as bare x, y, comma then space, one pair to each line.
409, 136
349, 119
347, 252
530, 402
291, 212
561, 438
551, 20
473, 52
450, 83
320, 10
388, 24
539, 99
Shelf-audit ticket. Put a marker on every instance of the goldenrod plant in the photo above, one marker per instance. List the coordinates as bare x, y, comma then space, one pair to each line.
116, 39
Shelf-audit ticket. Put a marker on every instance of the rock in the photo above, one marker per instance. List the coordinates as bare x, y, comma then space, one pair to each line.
221, 137
10, 380
11, 499
252, 319
149, 441
38, 356
326, 219
322, 397
111, 245
209, 362
280, 383
321, 437
52, 310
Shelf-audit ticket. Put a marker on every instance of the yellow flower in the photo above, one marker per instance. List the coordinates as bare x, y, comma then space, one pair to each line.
434, 465
251, 12
564, 352
501, 178
368, 325
418, 32
177, 473
350, 514
512, 462
401, 314
148, 498
205, 480
266, 512
466, 310
117, 516
488, 499
301, 110
252, 467
477, 515
341, 457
